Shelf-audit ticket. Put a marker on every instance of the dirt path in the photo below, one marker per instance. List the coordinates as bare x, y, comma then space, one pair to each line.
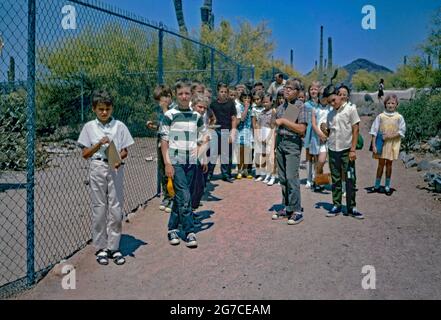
243, 254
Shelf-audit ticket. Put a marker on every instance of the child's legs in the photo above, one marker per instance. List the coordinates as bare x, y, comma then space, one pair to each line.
335, 165
381, 163
116, 203
181, 211
257, 157
162, 177
388, 169
98, 195
320, 162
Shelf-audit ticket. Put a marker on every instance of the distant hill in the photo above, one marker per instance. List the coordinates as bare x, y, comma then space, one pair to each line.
363, 64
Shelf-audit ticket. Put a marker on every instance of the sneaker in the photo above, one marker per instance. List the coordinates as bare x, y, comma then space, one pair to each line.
317, 188
239, 176
173, 238
191, 241
267, 179
271, 182
249, 176
295, 218
227, 179
308, 184
164, 204
334, 211
279, 214
168, 209
259, 178
356, 214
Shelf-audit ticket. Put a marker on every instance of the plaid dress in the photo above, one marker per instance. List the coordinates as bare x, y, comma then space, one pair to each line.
244, 135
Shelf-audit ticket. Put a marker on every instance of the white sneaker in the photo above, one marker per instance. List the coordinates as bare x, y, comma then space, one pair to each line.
271, 182
308, 184
267, 179
260, 178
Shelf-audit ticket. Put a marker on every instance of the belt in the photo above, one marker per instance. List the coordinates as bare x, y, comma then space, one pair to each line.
101, 159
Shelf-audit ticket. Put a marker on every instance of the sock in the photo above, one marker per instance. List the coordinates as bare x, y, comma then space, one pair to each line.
388, 183
377, 183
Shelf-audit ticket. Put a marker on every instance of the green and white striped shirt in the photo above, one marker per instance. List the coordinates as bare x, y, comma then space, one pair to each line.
183, 129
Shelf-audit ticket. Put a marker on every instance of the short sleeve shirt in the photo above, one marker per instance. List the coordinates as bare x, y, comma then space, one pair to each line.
93, 131
340, 124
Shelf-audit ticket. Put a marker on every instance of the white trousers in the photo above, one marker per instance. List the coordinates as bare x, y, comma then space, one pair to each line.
107, 194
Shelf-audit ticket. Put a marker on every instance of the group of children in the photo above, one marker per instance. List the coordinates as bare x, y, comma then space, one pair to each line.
186, 129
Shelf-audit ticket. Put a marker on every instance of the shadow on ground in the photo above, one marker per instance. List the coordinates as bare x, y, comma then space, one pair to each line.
129, 244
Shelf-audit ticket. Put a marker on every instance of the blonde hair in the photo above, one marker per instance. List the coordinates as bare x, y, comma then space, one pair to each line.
198, 98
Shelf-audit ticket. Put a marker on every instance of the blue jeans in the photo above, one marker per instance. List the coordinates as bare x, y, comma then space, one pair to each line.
181, 210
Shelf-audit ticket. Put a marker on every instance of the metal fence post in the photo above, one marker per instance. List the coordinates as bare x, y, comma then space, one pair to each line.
238, 75
213, 85
160, 55
30, 149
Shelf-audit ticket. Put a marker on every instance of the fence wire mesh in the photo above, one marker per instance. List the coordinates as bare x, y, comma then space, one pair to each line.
80, 46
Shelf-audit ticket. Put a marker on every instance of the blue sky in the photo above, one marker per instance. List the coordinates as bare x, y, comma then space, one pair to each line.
401, 25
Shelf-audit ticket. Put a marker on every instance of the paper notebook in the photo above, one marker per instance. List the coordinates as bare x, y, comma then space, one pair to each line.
113, 155
291, 113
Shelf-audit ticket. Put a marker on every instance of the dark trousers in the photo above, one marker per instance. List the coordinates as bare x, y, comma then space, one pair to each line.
339, 164
197, 187
181, 210
225, 152
288, 149
162, 177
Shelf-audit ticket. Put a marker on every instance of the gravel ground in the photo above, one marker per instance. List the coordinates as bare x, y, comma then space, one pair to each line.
243, 254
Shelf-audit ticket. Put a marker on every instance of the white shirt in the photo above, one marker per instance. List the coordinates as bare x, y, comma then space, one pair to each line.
93, 131
274, 88
340, 124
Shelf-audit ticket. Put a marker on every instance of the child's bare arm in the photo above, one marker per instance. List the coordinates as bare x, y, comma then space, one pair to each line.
88, 152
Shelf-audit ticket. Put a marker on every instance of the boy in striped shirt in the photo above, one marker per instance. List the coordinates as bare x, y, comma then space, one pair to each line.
181, 131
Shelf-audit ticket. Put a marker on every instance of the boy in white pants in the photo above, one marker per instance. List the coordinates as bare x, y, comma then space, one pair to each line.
106, 183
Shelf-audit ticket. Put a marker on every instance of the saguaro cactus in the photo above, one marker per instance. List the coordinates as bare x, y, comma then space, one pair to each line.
180, 16
321, 55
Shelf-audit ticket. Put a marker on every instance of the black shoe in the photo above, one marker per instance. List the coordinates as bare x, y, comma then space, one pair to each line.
191, 241
173, 237
355, 214
388, 191
373, 190
334, 211
227, 179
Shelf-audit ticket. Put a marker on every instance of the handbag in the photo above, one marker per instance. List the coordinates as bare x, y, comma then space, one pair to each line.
360, 142
322, 179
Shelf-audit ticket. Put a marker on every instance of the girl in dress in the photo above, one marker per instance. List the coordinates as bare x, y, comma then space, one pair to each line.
390, 127
310, 106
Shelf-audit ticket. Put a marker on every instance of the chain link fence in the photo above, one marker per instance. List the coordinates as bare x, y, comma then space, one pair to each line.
53, 55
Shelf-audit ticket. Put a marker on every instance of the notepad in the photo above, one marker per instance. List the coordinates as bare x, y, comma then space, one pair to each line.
113, 155
291, 113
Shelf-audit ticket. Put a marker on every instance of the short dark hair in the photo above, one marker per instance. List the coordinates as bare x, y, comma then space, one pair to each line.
101, 96
182, 84
221, 85
258, 83
161, 90
344, 87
